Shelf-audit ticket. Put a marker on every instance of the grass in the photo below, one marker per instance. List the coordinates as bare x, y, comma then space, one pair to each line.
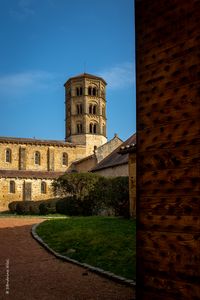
104, 242
51, 216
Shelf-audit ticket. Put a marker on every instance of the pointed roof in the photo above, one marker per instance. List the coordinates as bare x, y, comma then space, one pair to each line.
85, 75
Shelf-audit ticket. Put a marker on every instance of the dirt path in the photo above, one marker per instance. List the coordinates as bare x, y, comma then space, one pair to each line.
27, 271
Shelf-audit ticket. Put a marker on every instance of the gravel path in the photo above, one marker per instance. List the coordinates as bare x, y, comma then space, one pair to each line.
28, 271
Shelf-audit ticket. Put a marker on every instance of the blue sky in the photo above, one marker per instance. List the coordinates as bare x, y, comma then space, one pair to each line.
43, 43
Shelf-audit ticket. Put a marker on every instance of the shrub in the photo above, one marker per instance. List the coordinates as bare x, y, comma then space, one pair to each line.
34, 208
23, 208
112, 194
69, 206
43, 209
120, 196
48, 207
91, 194
12, 206
88, 206
75, 184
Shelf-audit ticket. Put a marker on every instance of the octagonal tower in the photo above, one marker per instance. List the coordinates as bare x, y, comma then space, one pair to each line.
85, 106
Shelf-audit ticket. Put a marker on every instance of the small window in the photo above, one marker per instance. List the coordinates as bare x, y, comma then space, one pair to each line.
37, 158
79, 109
79, 128
8, 155
12, 186
65, 159
77, 91
90, 91
92, 109
94, 91
43, 187
93, 128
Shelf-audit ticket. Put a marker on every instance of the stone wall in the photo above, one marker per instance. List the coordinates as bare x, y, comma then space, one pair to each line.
90, 140
6, 197
88, 163
104, 150
121, 170
50, 156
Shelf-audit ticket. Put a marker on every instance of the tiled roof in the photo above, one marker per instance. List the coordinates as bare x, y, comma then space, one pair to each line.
15, 140
29, 174
86, 75
116, 158
130, 148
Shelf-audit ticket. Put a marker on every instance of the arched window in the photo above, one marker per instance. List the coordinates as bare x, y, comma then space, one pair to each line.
43, 187
93, 128
79, 128
65, 159
8, 155
93, 109
89, 90
79, 91
12, 186
79, 109
37, 158
94, 91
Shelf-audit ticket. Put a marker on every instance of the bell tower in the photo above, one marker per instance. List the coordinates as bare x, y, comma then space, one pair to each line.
85, 107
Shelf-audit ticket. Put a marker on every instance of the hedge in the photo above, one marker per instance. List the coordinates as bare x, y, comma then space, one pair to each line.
90, 194
83, 194
42, 207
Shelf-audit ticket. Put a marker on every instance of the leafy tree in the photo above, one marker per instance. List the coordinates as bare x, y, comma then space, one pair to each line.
75, 184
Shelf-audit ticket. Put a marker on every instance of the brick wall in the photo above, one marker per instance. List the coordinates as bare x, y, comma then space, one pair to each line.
168, 102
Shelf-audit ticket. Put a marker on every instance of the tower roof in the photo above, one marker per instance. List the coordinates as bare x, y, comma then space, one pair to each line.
85, 75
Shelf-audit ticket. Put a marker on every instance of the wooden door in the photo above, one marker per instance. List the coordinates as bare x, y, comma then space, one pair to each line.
27, 191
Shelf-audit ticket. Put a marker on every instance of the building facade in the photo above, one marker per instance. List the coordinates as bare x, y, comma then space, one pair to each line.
28, 166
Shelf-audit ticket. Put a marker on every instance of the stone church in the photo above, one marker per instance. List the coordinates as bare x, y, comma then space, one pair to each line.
29, 166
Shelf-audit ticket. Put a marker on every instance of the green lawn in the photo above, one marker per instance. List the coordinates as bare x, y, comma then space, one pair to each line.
50, 216
104, 242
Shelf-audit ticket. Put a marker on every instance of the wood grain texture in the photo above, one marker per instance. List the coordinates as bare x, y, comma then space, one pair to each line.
168, 147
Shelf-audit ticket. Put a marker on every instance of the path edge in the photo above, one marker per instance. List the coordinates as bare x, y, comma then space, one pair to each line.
93, 269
